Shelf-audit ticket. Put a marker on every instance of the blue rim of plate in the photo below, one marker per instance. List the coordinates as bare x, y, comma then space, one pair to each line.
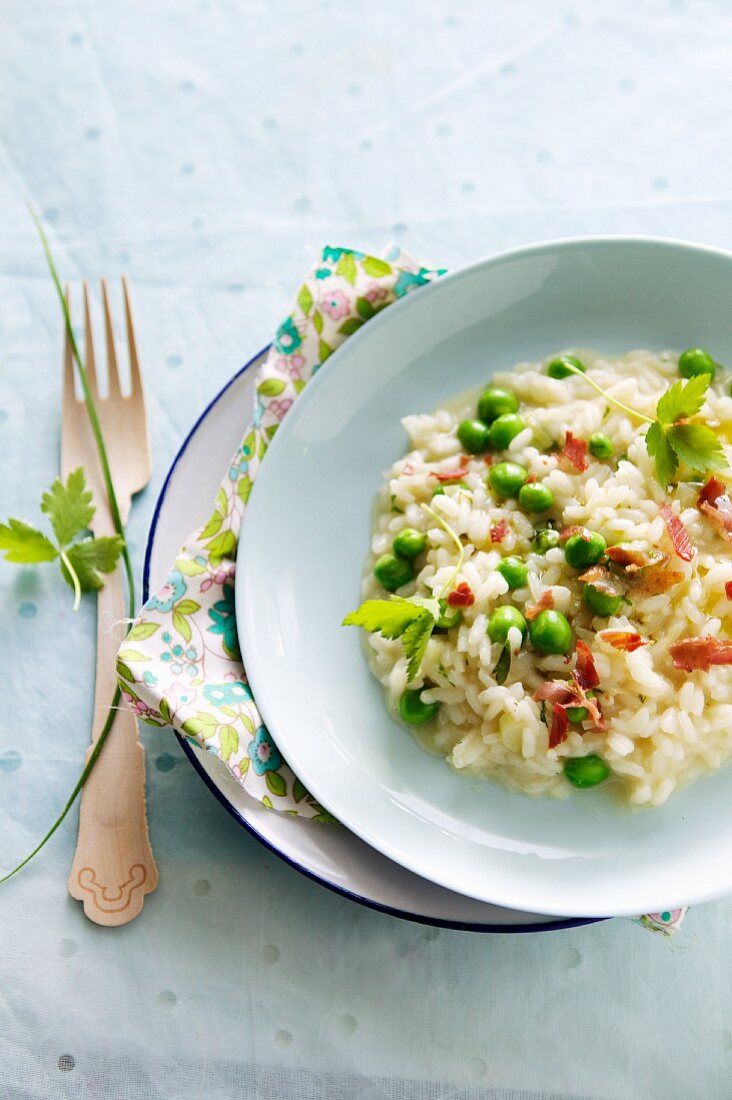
416, 918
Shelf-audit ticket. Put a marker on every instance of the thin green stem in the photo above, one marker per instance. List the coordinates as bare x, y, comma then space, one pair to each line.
118, 526
92, 413
74, 578
613, 400
460, 548
75, 793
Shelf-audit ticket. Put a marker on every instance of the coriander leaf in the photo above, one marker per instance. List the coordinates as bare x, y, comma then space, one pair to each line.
697, 445
659, 448
89, 558
503, 665
69, 506
388, 617
683, 400
414, 640
22, 543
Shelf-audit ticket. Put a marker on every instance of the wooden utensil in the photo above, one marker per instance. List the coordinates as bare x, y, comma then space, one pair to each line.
113, 865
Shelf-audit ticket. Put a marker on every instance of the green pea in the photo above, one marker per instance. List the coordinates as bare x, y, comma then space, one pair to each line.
696, 361
577, 714
544, 540
513, 571
600, 446
449, 485
550, 633
599, 602
586, 771
561, 366
409, 543
474, 436
506, 478
392, 572
581, 551
449, 616
535, 497
501, 621
495, 402
505, 428
414, 710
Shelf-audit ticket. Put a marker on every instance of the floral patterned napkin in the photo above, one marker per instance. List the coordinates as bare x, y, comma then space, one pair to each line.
180, 663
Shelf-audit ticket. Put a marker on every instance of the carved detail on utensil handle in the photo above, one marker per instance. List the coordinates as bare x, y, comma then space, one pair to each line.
112, 899
113, 865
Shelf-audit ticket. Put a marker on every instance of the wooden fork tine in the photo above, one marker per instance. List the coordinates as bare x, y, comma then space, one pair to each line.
89, 358
115, 390
135, 376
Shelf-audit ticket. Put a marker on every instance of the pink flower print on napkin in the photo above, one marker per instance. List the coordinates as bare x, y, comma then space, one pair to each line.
291, 364
335, 305
375, 293
279, 406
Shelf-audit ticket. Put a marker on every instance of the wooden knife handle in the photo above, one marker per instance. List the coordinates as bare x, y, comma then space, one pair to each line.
113, 864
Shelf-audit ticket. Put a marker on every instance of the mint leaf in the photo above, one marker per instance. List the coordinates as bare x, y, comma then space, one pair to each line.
387, 617
659, 448
24, 544
69, 507
683, 399
415, 639
697, 445
91, 557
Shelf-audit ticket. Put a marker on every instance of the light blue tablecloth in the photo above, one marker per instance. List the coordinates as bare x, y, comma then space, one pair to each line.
208, 149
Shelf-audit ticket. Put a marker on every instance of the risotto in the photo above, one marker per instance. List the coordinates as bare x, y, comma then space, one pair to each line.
549, 585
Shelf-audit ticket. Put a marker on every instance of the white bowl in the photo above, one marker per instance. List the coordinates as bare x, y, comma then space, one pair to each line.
304, 540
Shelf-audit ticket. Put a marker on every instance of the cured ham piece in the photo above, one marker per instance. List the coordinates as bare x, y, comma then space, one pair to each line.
585, 672
544, 603
575, 451
714, 501
700, 653
625, 640
677, 532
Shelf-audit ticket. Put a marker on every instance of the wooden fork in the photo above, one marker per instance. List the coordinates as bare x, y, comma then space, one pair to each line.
113, 865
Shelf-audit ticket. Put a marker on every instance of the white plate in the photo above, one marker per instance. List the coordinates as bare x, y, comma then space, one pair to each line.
331, 856
308, 525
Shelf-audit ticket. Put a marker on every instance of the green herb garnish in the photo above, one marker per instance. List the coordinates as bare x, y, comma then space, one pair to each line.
670, 439
397, 618
412, 620
70, 510
120, 533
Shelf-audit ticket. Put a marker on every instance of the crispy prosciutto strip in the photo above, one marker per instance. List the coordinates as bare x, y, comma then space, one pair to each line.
602, 579
677, 532
714, 501
712, 490
657, 579
559, 726
625, 640
635, 555
567, 693
575, 451
462, 596
450, 475
596, 573
567, 532
700, 653
544, 603
585, 672
499, 530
